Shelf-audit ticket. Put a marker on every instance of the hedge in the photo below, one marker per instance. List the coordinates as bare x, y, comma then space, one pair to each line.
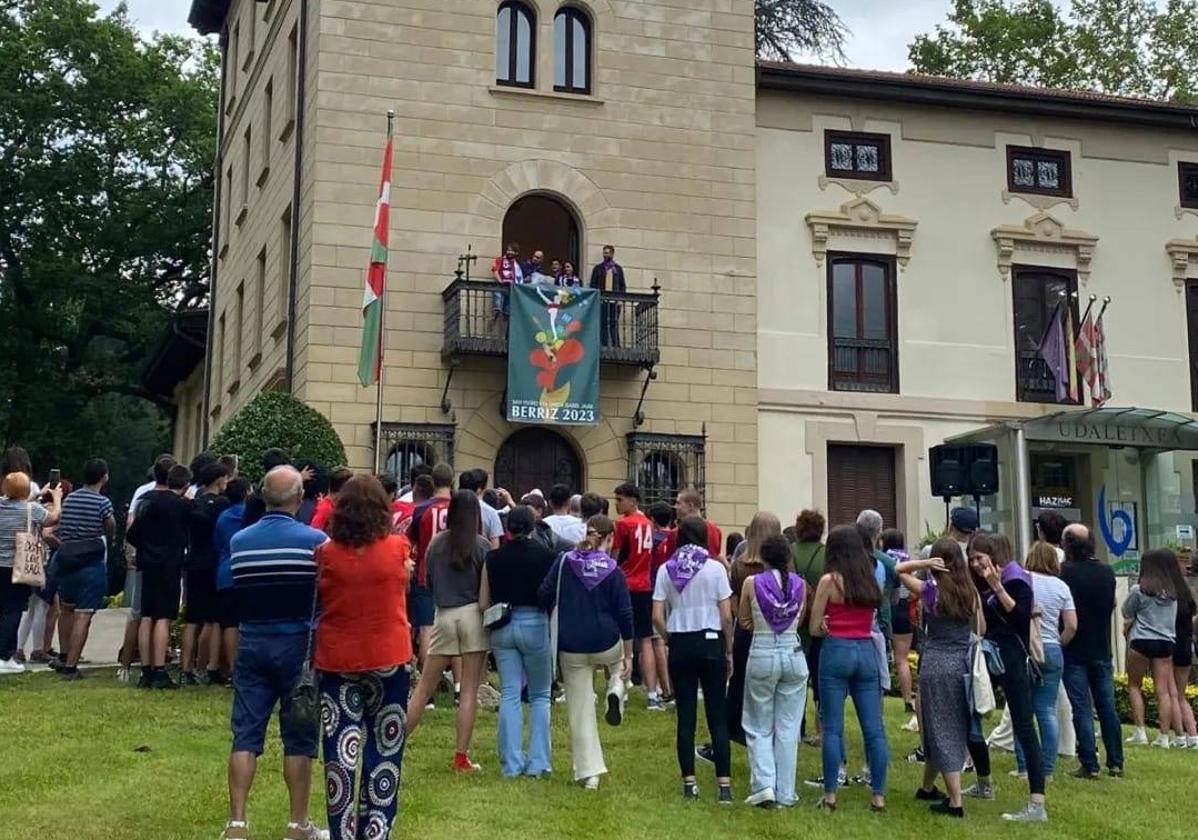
275, 419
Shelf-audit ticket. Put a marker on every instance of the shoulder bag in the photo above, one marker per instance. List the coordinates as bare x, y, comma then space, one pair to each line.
29, 556
1035, 641
304, 702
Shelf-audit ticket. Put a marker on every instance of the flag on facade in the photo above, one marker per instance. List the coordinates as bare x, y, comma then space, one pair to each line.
1087, 362
1052, 351
1102, 389
1071, 355
370, 357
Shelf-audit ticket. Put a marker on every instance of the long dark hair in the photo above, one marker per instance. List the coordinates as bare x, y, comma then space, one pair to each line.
775, 553
361, 513
1184, 595
845, 556
956, 596
462, 526
1157, 570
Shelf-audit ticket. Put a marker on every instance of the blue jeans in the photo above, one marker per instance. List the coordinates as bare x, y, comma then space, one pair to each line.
775, 698
849, 667
521, 648
1094, 679
1044, 707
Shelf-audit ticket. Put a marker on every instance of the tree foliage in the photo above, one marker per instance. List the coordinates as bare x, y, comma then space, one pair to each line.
1128, 47
106, 144
275, 419
787, 28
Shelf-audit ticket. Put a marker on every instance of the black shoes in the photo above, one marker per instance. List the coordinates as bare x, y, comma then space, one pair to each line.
690, 791
1083, 773
725, 795
705, 753
944, 808
933, 795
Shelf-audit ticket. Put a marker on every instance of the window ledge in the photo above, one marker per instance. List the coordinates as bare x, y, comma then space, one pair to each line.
230, 104
280, 330
248, 61
286, 130
1041, 201
241, 214
533, 93
215, 412
224, 249
234, 387
254, 361
263, 175
857, 186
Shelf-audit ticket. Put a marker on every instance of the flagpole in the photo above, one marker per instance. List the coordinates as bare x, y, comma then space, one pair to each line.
379, 459
1089, 308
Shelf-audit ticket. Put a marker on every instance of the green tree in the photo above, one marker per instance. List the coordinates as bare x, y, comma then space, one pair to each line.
787, 28
1128, 47
106, 144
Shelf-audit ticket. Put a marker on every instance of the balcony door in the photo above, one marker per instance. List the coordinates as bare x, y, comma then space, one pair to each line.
540, 222
536, 458
1037, 293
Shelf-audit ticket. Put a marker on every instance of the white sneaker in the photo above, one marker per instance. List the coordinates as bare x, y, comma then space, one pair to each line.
122, 674
912, 725
1161, 741
1138, 737
311, 831
11, 666
591, 783
1179, 742
760, 797
1192, 742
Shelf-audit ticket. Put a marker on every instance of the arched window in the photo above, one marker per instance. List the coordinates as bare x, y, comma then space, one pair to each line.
542, 223
515, 44
571, 51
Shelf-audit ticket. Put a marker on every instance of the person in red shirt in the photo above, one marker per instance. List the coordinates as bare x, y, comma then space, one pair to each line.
506, 271
662, 515
324, 508
632, 546
363, 642
690, 503
428, 520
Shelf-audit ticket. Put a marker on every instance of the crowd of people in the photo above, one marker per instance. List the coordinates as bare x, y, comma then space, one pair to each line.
344, 587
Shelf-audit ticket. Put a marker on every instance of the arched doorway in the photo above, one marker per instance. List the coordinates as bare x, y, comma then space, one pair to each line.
542, 223
537, 458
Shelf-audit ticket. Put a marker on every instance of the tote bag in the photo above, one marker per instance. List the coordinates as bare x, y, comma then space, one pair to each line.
29, 557
981, 689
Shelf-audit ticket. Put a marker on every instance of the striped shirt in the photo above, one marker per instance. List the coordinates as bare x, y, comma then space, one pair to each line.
83, 515
13, 517
274, 574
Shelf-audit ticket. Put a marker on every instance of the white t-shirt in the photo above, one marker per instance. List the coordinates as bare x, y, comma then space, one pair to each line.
492, 525
697, 607
1052, 597
137, 494
569, 528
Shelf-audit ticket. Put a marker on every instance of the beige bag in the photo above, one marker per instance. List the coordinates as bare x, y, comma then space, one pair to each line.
29, 563
1035, 642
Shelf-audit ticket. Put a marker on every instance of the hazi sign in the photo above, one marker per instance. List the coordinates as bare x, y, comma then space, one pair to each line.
1054, 502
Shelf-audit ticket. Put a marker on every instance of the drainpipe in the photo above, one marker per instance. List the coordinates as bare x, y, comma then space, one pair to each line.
217, 197
1022, 502
293, 279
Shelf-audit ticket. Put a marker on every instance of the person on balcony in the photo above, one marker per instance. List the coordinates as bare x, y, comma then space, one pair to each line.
505, 270
569, 277
534, 269
608, 277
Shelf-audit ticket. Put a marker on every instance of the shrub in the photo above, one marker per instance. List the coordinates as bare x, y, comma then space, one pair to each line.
1123, 701
277, 419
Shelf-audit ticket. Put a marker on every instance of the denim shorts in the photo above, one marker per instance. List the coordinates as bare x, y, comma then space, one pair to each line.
85, 589
268, 667
501, 301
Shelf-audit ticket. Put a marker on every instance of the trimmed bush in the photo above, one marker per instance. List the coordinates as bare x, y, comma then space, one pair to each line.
277, 419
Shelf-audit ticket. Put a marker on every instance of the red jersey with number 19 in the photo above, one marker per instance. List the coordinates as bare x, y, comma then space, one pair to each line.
632, 544
427, 524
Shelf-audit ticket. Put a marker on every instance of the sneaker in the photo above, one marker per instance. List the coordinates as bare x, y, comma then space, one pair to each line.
842, 779
591, 784
1083, 773
463, 764
1179, 742
655, 705
917, 756
430, 706
1018, 774
235, 831
560, 698
980, 790
1192, 742
10, 666
690, 791
146, 680
70, 674
724, 797
615, 709
457, 698
19, 657
863, 780
761, 797
1113, 772
1161, 741
122, 674
911, 725
161, 680
933, 795
189, 678
1138, 737
39, 657
705, 753
1032, 812
307, 831
942, 807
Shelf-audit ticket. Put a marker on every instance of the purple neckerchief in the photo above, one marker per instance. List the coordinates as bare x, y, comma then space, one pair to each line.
778, 610
898, 555
591, 567
1012, 571
930, 589
685, 564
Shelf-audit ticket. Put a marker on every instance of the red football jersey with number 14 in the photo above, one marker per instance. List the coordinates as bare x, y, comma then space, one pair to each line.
632, 544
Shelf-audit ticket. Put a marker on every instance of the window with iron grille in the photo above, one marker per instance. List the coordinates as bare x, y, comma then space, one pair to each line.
1187, 175
1043, 171
410, 444
662, 465
857, 155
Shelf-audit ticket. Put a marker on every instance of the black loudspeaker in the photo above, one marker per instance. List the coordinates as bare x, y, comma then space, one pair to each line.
947, 467
964, 470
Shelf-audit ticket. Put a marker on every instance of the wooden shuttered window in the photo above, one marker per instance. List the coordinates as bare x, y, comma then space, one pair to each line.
861, 478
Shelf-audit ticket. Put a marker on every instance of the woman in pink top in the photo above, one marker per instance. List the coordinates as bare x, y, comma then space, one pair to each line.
846, 599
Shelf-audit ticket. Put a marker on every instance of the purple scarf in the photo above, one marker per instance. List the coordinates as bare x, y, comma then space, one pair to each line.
591, 567
685, 564
779, 611
1011, 572
930, 588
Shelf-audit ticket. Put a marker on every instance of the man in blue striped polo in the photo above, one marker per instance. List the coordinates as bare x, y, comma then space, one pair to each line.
274, 579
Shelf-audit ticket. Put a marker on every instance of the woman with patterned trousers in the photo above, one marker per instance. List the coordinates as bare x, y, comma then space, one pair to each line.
363, 647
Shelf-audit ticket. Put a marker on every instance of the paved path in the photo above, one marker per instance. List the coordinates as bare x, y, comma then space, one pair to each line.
103, 641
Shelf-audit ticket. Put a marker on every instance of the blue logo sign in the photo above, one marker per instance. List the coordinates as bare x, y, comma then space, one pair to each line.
1112, 520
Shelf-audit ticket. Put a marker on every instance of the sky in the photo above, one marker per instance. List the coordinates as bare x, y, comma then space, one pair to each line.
880, 29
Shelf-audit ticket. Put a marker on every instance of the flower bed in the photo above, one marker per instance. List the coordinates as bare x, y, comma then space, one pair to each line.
1123, 701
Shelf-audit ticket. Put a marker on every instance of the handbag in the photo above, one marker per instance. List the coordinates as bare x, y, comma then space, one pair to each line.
29, 556
981, 690
304, 705
1035, 641
497, 616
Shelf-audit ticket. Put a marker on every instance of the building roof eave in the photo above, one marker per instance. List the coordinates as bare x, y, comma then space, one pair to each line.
208, 16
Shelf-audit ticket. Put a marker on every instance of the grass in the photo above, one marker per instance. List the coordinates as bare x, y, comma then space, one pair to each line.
98, 759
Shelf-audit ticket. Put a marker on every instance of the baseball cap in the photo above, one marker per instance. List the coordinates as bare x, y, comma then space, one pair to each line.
964, 519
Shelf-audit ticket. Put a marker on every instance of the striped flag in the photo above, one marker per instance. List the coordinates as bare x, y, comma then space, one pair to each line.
1087, 361
1102, 390
370, 357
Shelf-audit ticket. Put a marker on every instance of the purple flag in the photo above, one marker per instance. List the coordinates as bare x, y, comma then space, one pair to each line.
1052, 351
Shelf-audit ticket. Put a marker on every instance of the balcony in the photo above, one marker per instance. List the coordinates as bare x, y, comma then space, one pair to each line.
472, 330
1035, 382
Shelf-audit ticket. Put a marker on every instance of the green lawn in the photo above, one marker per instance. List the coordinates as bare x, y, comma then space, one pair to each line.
98, 759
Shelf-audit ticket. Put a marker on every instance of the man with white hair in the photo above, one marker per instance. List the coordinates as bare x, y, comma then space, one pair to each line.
870, 524
274, 582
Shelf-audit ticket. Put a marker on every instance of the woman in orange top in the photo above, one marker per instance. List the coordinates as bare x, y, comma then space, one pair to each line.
363, 647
